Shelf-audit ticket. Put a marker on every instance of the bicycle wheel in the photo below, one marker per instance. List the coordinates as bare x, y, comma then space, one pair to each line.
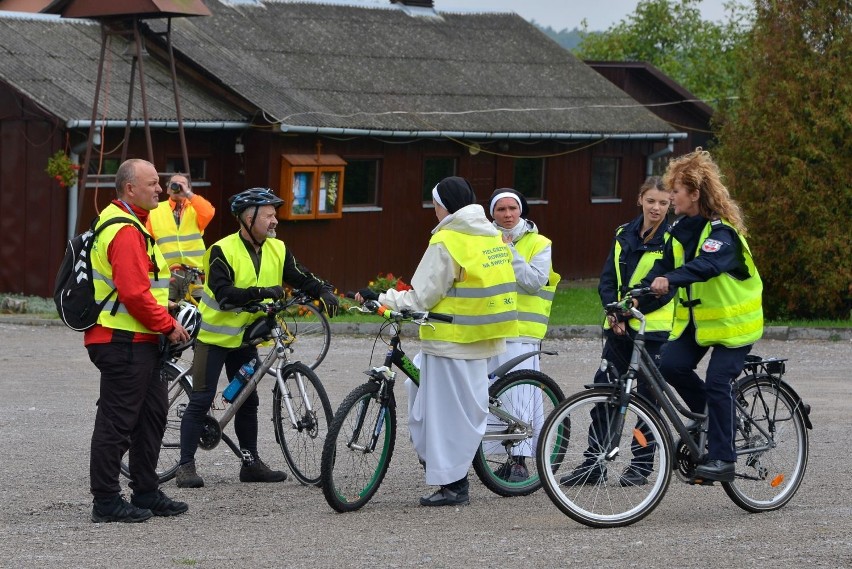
309, 333
178, 395
352, 467
581, 471
507, 467
302, 415
771, 440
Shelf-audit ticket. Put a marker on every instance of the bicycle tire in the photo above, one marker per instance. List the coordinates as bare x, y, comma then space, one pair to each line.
178, 396
351, 476
767, 479
310, 333
530, 396
301, 441
602, 502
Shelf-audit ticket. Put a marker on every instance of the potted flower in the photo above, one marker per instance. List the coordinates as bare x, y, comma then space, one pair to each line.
61, 169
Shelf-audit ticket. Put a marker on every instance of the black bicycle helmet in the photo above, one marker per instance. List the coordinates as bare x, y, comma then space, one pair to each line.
253, 197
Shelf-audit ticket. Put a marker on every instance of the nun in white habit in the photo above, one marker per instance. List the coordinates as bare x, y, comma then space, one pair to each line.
447, 414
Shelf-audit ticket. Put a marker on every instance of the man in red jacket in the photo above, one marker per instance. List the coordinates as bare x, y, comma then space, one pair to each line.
125, 346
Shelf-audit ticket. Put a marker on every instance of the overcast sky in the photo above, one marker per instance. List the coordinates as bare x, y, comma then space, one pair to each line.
561, 14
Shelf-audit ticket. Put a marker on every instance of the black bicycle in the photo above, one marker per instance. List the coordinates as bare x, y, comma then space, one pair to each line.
361, 438
601, 430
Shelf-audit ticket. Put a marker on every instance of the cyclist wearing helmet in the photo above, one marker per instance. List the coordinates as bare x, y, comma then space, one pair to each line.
247, 266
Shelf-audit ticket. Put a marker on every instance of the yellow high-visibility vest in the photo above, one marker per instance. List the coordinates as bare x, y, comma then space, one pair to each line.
102, 274
534, 309
179, 244
225, 327
725, 310
659, 320
484, 305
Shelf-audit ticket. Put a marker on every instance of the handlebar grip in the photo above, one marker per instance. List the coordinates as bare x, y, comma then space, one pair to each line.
440, 317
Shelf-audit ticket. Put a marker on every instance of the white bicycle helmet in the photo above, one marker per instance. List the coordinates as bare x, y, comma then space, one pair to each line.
189, 317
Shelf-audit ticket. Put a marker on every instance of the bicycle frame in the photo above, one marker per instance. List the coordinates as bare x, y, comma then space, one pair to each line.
386, 377
279, 353
664, 395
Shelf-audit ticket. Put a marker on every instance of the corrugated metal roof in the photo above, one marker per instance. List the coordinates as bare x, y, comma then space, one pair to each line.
55, 63
334, 66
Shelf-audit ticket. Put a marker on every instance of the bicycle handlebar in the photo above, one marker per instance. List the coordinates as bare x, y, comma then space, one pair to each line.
626, 303
417, 316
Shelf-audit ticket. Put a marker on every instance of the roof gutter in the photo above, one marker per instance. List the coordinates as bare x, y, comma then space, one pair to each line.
195, 125
481, 135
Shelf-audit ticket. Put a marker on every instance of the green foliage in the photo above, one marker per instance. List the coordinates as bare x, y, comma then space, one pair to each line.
670, 34
786, 149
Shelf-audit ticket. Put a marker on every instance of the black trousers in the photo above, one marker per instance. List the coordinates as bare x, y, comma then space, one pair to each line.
206, 368
131, 416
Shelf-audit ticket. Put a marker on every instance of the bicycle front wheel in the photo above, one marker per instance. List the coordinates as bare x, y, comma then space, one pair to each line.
588, 464
358, 448
309, 333
506, 466
771, 441
301, 414
179, 388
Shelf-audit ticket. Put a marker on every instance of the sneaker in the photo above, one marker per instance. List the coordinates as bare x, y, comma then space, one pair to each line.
455, 494
257, 471
186, 477
513, 470
117, 509
633, 476
585, 474
158, 503
719, 470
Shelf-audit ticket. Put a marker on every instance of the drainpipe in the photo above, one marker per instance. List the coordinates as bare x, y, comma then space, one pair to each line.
74, 190
649, 164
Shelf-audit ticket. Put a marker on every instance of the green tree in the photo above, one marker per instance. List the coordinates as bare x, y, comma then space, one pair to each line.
671, 35
786, 150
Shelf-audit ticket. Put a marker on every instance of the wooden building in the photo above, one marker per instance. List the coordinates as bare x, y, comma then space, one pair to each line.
390, 98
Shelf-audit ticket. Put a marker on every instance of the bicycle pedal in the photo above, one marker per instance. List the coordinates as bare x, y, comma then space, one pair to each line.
701, 482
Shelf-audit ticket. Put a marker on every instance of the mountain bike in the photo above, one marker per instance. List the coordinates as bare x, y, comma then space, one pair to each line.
301, 411
600, 430
360, 441
306, 327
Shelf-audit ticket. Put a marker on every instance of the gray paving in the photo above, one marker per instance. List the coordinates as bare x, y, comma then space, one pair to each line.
47, 393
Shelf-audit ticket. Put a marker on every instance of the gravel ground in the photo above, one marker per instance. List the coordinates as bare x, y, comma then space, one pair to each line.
47, 411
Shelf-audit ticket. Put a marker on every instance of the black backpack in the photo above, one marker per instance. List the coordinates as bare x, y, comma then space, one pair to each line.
74, 291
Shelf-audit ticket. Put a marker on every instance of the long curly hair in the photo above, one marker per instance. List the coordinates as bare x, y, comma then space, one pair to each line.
698, 171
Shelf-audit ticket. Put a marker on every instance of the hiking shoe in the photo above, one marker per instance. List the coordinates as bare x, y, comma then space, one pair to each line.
513, 470
117, 509
158, 503
257, 471
633, 476
585, 474
186, 477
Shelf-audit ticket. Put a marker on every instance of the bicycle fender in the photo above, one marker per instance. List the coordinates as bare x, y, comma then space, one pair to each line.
506, 367
800, 404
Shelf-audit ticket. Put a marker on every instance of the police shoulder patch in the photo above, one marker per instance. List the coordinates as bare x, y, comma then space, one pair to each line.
711, 246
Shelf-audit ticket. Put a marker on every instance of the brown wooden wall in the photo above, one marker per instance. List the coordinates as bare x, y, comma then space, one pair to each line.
349, 251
